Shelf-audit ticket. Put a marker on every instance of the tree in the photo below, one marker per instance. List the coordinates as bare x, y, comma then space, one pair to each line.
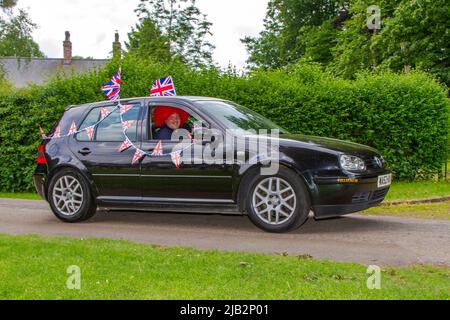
413, 34
283, 40
146, 40
418, 36
266, 51
7, 4
354, 50
15, 36
319, 42
180, 31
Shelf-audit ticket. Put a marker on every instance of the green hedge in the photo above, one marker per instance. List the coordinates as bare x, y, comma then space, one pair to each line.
406, 117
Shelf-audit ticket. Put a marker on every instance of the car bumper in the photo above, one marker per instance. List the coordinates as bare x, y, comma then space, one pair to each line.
39, 178
39, 183
343, 198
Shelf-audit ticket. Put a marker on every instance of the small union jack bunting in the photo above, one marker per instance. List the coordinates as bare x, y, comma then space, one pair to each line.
104, 112
43, 135
137, 156
57, 133
176, 158
125, 145
125, 108
127, 125
73, 128
158, 151
90, 132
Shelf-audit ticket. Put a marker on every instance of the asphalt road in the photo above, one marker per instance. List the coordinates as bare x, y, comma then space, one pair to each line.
363, 239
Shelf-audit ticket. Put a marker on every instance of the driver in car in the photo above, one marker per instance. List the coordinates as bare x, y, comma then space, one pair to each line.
168, 119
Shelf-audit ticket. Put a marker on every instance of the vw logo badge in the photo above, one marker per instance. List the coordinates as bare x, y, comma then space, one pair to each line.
379, 162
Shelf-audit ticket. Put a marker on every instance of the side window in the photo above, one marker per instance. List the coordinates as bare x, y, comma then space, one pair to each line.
91, 119
110, 129
164, 120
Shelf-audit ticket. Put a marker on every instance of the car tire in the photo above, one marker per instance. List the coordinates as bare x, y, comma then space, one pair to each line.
70, 196
283, 208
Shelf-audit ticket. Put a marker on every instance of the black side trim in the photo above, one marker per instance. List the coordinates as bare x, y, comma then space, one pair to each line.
211, 208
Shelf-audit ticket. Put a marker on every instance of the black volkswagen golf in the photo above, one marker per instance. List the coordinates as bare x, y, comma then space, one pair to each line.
126, 155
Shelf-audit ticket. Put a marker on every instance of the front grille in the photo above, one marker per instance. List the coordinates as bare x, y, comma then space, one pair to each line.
361, 197
379, 194
372, 163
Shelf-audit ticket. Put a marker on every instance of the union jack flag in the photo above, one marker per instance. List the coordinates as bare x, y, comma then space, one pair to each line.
73, 128
158, 151
57, 133
176, 158
42, 132
125, 108
125, 145
163, 87
127, 125
90, 132
104, 112
137, 156
112, 88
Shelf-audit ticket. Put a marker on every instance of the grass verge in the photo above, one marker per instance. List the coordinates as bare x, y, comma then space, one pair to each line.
34, 267
418, 190
20, 195
422, 211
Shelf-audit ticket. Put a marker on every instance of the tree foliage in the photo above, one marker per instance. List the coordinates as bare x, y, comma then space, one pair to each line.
175, 29
417, 35
146, 40
15, 36
283, 39
413, 34
7, 4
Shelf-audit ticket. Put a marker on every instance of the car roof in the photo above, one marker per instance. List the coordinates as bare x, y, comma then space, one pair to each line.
168, 99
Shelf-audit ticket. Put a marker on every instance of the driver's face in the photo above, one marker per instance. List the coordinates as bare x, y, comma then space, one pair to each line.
173, 121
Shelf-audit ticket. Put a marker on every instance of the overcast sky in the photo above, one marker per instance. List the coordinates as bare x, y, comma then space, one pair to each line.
92, 24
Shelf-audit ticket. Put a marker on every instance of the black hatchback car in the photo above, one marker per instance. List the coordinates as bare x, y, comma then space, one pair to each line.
110, 156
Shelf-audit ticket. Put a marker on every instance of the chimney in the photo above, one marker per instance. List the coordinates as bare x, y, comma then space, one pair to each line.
67, 49
117, 47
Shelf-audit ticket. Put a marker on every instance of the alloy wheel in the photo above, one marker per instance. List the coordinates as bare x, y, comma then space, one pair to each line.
68, 195
274, 200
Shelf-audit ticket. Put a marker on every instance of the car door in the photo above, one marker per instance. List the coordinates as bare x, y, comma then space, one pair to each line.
191, 182
112, 171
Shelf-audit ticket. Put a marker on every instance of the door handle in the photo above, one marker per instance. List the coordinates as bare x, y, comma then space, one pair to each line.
84, 151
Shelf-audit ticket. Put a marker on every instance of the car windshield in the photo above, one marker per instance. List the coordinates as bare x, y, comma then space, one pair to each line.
236, 117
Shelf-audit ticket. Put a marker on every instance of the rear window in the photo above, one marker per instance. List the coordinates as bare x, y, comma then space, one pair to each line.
65, 121
110, 129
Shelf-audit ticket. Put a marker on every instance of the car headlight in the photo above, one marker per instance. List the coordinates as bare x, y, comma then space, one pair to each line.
352, 163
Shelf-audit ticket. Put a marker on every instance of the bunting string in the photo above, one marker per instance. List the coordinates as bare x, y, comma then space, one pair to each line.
127, 143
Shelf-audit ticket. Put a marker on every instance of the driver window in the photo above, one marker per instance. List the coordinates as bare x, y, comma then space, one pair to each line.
165, 120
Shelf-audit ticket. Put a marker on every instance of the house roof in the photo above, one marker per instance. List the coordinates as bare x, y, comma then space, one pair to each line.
21, 71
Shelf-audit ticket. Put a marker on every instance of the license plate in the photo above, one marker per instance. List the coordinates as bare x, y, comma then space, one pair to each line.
384, 181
